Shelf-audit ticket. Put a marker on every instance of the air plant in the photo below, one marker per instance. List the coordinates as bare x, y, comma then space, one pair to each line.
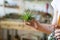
27, 16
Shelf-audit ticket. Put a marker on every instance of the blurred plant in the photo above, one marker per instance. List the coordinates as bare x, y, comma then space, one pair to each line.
27, 16
6, 1
51, 38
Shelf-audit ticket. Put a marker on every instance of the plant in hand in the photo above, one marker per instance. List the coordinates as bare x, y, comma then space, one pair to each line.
27, 16
28, 19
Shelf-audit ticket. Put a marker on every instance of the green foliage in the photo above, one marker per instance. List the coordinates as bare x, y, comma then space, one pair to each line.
27, 16
51, 38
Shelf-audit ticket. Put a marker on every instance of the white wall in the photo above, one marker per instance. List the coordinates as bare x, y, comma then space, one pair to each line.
5, 10
1, 11
1, 2
38, 6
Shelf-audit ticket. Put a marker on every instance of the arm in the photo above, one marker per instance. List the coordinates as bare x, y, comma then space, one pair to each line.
47, 28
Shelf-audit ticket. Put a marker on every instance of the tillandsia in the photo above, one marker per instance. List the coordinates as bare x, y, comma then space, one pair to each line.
27, 16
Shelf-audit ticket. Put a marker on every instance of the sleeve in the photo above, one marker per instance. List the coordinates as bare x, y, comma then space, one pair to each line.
55, 17
53, 3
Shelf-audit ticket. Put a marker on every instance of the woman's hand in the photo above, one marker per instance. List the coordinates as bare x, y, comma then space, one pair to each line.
57, 34
57, 31
54, 26
33, 23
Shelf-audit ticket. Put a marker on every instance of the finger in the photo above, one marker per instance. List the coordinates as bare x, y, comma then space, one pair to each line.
54, 26
27, 23
57, 27
35, 25
57, 31
30, 24
57, 35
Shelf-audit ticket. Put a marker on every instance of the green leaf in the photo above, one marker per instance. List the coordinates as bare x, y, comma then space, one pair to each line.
27, 16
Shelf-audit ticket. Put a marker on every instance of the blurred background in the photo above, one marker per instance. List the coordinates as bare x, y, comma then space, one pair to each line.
11, 12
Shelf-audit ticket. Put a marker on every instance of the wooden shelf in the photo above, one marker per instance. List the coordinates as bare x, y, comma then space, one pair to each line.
9, 6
